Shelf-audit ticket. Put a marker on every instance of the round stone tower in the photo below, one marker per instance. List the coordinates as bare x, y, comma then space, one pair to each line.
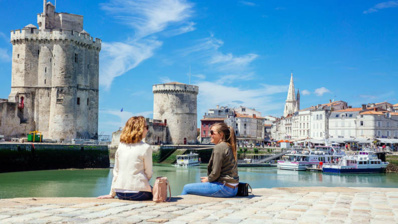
55, 73
176, 104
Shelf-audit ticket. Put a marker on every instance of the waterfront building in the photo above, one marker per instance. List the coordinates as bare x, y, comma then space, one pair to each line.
176, 105
343, 123
395, 107
55, 79
218, 115
301, 124
378, 124
247, 123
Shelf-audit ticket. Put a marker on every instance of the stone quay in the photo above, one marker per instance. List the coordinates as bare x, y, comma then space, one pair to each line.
276, 205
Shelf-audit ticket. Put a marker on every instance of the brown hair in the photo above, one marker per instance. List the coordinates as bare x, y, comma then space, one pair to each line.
133, 130
228, 136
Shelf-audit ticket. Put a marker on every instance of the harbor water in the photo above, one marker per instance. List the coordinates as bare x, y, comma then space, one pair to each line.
95, 182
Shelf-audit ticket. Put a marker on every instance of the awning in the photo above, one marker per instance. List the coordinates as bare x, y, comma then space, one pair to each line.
342, 140
388, 140
364, 140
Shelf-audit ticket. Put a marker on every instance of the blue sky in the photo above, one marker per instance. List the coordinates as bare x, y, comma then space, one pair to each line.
239, 52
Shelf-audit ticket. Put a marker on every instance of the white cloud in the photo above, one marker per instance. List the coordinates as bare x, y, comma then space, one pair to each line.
230, 62
207, 49
228, 79
147, 18
321, 91
212, 94
382, 5
165, 80
4, 56
247, 3
4, 37
305, 92
117, 58
199, 76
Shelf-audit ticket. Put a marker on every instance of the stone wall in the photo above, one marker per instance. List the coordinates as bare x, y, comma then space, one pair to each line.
24, 157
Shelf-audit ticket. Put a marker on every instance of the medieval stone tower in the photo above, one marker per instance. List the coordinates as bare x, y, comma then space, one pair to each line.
292, 101
176, 104
55, 77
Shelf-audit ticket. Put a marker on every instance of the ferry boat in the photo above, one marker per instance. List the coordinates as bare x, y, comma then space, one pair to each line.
301, 160
361, 162
191, 159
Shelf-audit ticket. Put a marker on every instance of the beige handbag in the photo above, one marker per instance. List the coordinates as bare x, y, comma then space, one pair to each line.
159, 190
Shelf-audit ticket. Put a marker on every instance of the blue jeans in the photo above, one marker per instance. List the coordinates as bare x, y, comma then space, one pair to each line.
140, 196
210, 189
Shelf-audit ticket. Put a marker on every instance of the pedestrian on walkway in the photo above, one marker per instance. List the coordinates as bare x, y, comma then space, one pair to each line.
222, 171
133, 164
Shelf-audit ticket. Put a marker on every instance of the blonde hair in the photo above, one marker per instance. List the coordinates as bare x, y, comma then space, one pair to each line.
133, 130
228, 136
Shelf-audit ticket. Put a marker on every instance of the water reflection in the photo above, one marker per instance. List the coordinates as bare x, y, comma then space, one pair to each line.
91, 183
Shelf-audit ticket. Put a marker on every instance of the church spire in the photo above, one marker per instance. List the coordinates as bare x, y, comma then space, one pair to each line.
290, 105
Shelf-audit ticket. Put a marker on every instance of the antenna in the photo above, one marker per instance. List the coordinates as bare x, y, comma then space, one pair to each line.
44, 6
189, 74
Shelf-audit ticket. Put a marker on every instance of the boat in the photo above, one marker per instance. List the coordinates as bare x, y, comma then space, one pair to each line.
304, 159
191, 159
360, 162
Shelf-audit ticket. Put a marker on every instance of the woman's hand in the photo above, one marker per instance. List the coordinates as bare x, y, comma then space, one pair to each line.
105, 197
204, 179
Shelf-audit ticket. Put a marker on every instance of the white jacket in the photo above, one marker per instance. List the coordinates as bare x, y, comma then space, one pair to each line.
133, 168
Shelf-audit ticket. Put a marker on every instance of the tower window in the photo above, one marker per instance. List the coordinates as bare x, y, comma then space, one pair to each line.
50, 59
45, 69
17, 55
88, 66
38, 51
45, 81
78, 101
76, 57
88, 101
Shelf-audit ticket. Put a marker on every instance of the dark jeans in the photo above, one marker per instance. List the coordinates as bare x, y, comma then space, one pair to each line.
140, 196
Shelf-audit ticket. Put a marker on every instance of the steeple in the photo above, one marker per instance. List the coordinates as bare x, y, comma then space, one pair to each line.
290, 106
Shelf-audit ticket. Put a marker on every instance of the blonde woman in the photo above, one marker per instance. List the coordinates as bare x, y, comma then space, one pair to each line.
222, 172
133, 164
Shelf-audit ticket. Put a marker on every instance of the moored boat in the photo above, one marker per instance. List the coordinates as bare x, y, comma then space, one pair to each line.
301, 160
191, 159
360, 162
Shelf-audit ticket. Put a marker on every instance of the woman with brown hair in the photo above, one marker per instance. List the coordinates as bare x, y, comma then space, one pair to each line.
222, 172
133, 164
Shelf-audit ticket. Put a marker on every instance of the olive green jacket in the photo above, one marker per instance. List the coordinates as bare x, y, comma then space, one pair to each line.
222, 165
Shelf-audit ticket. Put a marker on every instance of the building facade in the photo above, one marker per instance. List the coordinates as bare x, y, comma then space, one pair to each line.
55, 79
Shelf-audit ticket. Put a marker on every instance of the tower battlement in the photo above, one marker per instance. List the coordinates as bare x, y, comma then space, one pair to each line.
32, 34
175, 87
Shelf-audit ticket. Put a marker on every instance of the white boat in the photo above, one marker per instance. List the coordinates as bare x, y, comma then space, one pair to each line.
301, 160
361, 162
191, 159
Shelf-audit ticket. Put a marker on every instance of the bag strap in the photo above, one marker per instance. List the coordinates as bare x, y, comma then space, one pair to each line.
251, 190
169, 199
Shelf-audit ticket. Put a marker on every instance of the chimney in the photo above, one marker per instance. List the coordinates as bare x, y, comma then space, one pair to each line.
44, 6
375, 109
330, 101
218, 106
363, 106
254, 116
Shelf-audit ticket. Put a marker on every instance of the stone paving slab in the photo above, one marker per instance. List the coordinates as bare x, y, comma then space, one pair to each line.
276, 205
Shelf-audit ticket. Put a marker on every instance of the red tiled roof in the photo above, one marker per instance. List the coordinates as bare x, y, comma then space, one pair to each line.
372, 112
349, 110
247, 116
267, 125
214, 119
